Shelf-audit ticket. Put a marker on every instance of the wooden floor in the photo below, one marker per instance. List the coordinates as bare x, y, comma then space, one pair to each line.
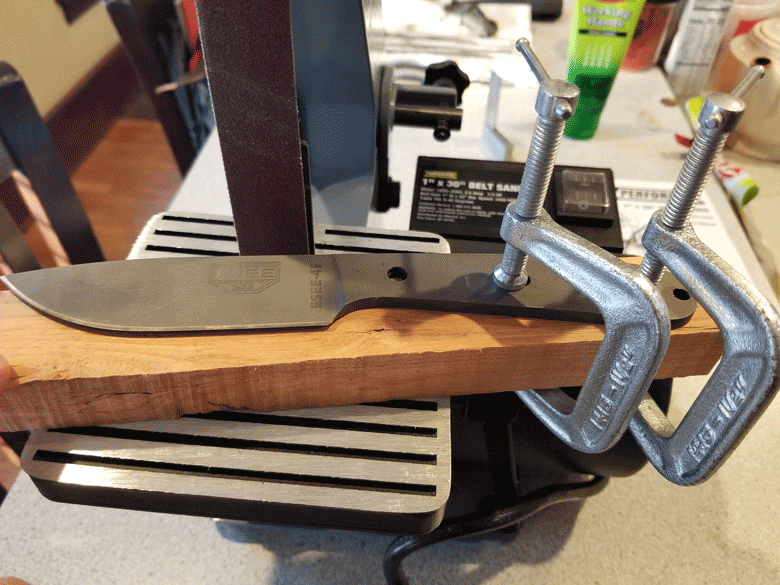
128, 177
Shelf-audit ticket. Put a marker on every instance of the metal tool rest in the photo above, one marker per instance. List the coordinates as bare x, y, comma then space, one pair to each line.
379, 467
382, 467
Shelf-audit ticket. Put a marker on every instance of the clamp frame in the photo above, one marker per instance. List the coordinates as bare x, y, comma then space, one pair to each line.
636, 336
744, 382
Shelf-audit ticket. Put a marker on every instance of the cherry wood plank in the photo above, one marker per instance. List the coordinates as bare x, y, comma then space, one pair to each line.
65, 376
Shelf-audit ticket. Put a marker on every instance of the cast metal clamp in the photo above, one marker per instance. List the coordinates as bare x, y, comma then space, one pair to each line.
748, 375
635, 316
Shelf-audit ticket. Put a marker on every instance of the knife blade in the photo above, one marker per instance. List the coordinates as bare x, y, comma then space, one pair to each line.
261, 292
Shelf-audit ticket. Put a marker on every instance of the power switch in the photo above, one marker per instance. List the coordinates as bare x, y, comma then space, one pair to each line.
583, 197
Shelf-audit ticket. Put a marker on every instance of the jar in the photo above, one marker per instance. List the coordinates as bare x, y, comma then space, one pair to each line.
743, 16
758, 132
649, 36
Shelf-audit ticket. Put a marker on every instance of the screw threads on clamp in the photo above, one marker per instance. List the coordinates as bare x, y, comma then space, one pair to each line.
652, 268
510, 273
539, 168
514, 258
696, 170
719, 115
555, 103
693, 176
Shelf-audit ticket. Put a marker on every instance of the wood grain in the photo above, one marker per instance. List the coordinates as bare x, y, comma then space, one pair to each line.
40, 235
65, 376
130, 176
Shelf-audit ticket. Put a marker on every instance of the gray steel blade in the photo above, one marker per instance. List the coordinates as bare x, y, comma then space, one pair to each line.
257, 292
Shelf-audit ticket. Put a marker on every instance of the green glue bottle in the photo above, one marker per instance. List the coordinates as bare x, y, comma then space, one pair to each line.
600, 35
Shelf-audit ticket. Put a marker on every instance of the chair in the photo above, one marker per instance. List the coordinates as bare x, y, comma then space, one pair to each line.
36, 196
153, 39
46, 197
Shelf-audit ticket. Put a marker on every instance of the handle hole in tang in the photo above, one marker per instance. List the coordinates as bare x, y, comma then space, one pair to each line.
397, 274
682, 294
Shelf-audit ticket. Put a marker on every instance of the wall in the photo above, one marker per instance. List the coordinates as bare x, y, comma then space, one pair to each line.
52, 56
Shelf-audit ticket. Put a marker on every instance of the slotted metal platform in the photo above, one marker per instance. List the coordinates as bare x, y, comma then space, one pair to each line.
381, 467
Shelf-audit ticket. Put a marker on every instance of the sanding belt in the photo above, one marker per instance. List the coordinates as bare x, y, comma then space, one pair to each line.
248, 52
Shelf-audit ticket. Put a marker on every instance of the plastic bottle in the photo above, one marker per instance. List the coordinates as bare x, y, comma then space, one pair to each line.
601, 31
695, 46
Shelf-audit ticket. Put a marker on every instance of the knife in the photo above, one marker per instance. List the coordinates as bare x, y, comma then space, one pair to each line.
260, 292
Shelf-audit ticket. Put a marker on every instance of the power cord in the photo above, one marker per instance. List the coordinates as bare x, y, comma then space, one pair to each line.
472, 524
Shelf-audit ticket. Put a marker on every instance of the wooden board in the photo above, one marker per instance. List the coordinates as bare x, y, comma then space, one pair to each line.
64, 376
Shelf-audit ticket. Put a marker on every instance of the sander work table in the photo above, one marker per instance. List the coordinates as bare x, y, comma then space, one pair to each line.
640, 528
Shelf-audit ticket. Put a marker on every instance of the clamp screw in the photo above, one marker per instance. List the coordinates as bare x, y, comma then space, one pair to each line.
555, 103
719, 115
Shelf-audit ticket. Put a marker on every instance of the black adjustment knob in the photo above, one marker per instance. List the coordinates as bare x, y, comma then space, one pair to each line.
447, 74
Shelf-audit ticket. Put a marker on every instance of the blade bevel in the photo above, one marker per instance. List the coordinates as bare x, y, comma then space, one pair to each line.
183, 294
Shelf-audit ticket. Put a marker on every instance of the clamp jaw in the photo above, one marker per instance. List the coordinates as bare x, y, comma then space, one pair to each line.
744, 381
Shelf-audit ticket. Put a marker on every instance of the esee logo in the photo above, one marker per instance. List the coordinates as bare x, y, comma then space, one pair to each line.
244, 277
